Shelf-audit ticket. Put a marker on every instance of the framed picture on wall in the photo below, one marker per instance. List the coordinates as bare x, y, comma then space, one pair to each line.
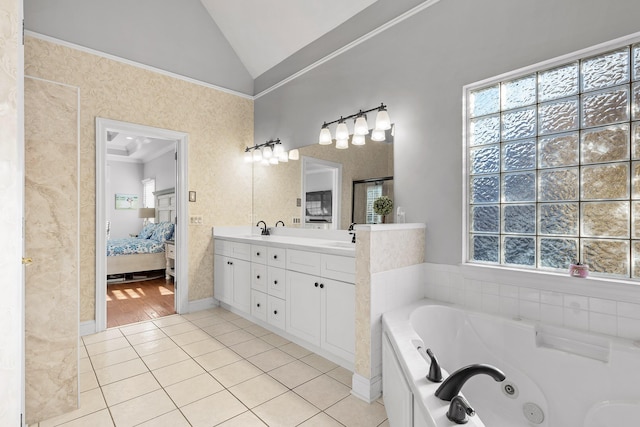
126, 201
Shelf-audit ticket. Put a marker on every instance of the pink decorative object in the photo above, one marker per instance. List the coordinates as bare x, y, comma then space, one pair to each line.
579, 270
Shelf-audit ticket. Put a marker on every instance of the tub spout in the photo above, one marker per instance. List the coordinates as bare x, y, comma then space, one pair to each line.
453, 384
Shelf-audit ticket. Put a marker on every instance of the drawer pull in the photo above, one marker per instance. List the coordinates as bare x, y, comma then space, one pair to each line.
316, 284
257, 253
275, 282
258, 276
275, 257
258, 304
321, 285
275, 311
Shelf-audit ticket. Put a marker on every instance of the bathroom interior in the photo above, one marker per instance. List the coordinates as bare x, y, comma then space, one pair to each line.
463, 266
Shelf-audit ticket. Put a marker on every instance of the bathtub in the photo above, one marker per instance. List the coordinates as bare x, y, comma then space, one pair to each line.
555, 377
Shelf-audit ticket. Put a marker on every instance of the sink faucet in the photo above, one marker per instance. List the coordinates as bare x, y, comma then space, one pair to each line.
280, 222
452, 385
352, 232
265, 230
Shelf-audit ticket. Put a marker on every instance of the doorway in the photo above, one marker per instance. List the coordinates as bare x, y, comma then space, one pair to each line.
321, 193
155, 283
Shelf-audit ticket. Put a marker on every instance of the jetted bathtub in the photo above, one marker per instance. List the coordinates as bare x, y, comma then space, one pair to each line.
555, 377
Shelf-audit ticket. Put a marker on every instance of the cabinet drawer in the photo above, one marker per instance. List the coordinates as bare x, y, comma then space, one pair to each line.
304, 262
259, 277
277, 257
233, 249
170, 250
276, 285
259, 305
259, 254
339, 268
276, 313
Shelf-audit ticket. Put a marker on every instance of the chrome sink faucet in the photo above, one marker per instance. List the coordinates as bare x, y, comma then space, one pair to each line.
459, 409
265, 230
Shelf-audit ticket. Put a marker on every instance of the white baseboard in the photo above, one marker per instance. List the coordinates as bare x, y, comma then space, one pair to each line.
87, 328
202, 304
367, 389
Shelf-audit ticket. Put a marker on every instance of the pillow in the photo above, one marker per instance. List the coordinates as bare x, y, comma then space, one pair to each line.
147, 231
162, 232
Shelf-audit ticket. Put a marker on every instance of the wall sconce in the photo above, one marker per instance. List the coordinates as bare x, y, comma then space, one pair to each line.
360, 128
269, 153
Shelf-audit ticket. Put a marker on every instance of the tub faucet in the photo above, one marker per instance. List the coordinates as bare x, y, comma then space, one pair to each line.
265, 230
460, 410
435, 374
352, 232
280, 222
454, 382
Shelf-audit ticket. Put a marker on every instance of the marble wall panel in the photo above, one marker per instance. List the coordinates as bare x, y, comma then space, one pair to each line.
219, 124
51, 240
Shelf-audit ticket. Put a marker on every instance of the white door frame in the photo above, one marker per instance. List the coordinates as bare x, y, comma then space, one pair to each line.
181, 234
336, 182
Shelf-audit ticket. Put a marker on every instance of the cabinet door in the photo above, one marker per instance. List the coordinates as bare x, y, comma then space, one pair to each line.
259, 277
276, 313
277, 282
222, 278
303, 306
241, 288
338, 318
259, 305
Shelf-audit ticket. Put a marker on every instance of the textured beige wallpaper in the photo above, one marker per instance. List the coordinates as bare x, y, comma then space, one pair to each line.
219, 125
276, 188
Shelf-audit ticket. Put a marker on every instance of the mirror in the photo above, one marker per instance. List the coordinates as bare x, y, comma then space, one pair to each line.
279, 191
365, 192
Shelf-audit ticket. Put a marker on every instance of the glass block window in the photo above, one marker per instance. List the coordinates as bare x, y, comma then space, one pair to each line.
553, 166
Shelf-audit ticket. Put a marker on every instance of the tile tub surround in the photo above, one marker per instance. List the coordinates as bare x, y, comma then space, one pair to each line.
178, 371
595, 305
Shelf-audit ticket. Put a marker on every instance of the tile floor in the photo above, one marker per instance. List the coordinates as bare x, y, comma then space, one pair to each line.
210, 368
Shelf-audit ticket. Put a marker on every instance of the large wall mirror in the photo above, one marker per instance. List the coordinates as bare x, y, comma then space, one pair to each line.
305, 190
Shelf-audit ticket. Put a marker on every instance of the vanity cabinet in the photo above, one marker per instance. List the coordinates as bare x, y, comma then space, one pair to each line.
320, 309
268, 285
232, 274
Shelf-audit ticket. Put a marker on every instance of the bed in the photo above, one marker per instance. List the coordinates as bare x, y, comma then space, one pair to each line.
142, 253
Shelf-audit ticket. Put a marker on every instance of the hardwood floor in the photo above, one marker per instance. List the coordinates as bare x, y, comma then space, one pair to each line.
138, 301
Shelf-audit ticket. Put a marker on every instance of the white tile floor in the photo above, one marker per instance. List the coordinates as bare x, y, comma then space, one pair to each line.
210, 368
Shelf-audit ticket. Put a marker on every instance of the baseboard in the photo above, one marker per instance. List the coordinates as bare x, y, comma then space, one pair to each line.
367, 389
202, 304
87, 328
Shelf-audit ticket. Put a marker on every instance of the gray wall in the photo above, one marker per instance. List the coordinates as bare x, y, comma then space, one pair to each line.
123, 178
418, 68
176, 36
163, 169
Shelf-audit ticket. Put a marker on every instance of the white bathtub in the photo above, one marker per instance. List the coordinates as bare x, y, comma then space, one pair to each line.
575, 379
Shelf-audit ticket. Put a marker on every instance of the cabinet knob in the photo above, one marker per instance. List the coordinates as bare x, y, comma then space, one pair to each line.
316, 284
275, 311
275, 282
258, 304
258, 276
275, 257
321, 285
230, 263
257, 253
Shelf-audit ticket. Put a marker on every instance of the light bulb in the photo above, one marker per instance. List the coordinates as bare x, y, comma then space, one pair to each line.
248, 157
342, 144
358, 139
361, 127
342, 131
267, 152
283, 157
264, 162
273, 160
277, 150
383, 121
378, 135
257, 155
325, 136
294, 154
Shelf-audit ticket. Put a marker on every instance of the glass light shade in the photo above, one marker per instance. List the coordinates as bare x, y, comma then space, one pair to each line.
378, 135
267, 152
283, 157
358, 139
264, 162
325, 136
294, 154
361, 127
273, 160
248, 157
383, 121
342, 143
257, 155
277, 150
342, 131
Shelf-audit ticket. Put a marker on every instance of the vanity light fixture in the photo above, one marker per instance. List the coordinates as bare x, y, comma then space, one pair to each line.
269, 153
360, 128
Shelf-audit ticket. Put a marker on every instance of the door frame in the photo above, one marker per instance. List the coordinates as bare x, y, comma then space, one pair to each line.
336, 187
181, 235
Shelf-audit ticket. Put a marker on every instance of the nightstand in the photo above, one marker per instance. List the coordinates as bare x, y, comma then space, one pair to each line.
170, 255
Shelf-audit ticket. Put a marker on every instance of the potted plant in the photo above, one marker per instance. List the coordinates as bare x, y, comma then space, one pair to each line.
383, 206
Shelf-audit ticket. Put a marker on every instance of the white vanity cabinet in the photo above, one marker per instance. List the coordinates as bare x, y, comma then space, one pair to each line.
232, 272
320, 309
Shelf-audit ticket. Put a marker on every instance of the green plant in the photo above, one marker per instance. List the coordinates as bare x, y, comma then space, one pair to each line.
383, 205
